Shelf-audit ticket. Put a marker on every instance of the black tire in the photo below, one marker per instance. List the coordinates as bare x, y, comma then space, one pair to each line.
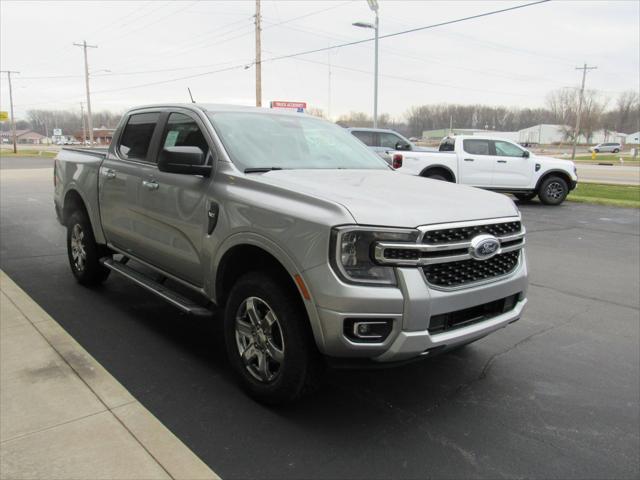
290, 336
596, 150
525, 197
83, 251
553, 190
615, 150
437, 176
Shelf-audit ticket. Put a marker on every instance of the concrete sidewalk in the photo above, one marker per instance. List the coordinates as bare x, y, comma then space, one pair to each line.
63, 416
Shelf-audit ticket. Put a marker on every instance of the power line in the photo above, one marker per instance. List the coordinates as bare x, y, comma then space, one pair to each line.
308, 52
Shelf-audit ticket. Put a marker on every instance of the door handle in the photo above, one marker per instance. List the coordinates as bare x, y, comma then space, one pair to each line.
468, 159
109, 173
502, 161
150, 185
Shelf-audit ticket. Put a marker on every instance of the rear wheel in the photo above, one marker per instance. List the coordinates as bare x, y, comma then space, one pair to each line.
268, 340
525, 197
553, 190
437, 175
83, 251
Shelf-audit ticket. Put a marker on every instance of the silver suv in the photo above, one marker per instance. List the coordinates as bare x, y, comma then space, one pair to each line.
316, 252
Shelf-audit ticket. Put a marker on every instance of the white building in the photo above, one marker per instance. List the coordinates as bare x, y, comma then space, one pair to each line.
603, 136
513, 136
632, 139
543, 133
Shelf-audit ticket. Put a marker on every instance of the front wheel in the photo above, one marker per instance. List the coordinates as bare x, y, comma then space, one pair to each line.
83, 251
553, 191
268, 339
615, 150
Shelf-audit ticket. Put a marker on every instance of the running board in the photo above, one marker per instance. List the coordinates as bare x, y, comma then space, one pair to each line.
174, 298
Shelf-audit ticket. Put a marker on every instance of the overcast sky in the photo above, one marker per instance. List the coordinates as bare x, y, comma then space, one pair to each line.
512, 58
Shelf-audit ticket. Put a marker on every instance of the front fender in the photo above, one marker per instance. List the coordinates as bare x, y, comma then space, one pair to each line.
271, 247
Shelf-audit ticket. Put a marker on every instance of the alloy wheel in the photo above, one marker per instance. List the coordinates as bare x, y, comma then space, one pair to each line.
78, 248
259, 339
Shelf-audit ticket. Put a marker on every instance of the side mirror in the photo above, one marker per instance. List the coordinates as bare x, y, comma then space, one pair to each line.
185, 160
525, 154
401, 146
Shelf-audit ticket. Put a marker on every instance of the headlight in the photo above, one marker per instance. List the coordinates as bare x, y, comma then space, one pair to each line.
352, 253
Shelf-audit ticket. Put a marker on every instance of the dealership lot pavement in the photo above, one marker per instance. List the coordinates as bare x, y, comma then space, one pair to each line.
555, 395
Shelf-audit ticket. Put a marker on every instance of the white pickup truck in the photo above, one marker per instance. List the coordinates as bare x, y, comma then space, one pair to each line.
493, 164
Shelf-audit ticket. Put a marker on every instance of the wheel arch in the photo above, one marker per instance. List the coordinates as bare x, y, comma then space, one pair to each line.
558, 173
257, 253
73, 201
448, 173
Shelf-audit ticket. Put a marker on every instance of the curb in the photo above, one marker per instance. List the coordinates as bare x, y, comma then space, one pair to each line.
175, 458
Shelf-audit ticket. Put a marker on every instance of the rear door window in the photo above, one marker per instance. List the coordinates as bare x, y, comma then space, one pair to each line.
136, 137
477, 147
365, 137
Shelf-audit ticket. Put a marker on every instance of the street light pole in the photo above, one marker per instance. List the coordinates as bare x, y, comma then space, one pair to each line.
375, 78
373, 5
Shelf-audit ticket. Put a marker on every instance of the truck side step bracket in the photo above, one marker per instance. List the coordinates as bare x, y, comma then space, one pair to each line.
179, 301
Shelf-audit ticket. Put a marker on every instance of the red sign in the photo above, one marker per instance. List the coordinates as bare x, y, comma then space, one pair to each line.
292, 105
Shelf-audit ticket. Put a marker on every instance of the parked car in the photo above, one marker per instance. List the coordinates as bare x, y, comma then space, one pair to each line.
383, 141
316, 252
494, 164
611, 147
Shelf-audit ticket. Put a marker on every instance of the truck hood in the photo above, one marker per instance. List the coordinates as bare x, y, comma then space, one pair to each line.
387, 198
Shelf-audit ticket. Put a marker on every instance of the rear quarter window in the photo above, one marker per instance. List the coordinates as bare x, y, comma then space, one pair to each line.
365, 137
136, 136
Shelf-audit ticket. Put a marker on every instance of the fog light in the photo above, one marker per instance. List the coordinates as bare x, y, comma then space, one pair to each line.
373, 330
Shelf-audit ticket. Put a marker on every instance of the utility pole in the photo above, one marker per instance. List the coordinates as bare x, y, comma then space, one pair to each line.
13, 120
84, 132
577, 129
86, 79
258, 58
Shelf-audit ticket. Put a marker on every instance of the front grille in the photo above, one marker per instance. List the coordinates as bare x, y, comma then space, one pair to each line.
469, 316
462, 234
463, 272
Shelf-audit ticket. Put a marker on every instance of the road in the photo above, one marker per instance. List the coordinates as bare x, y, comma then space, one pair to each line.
615, 174
555, 395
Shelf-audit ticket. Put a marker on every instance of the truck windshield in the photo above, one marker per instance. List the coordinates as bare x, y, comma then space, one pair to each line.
280, 141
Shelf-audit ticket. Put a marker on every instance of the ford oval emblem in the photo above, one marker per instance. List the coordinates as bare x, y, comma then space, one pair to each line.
484, 247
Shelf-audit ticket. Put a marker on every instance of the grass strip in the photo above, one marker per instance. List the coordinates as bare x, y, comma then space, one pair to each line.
601, 194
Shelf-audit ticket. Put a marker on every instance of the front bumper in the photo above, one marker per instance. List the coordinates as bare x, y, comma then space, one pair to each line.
410, 306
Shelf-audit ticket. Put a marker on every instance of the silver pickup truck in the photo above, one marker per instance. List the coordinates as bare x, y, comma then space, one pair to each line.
317, 252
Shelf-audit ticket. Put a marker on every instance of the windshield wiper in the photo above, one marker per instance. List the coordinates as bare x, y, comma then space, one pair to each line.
261, 169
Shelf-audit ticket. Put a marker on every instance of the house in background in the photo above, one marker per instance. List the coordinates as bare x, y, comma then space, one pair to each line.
101, 136
28, 137
633, 139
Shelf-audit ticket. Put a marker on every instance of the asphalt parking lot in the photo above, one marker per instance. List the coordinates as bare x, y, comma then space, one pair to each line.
555, 395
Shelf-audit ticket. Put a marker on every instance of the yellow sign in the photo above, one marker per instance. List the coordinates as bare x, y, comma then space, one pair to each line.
4, 116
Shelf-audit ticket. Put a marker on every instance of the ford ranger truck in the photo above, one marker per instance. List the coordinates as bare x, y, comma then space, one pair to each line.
314, 249
494, 164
